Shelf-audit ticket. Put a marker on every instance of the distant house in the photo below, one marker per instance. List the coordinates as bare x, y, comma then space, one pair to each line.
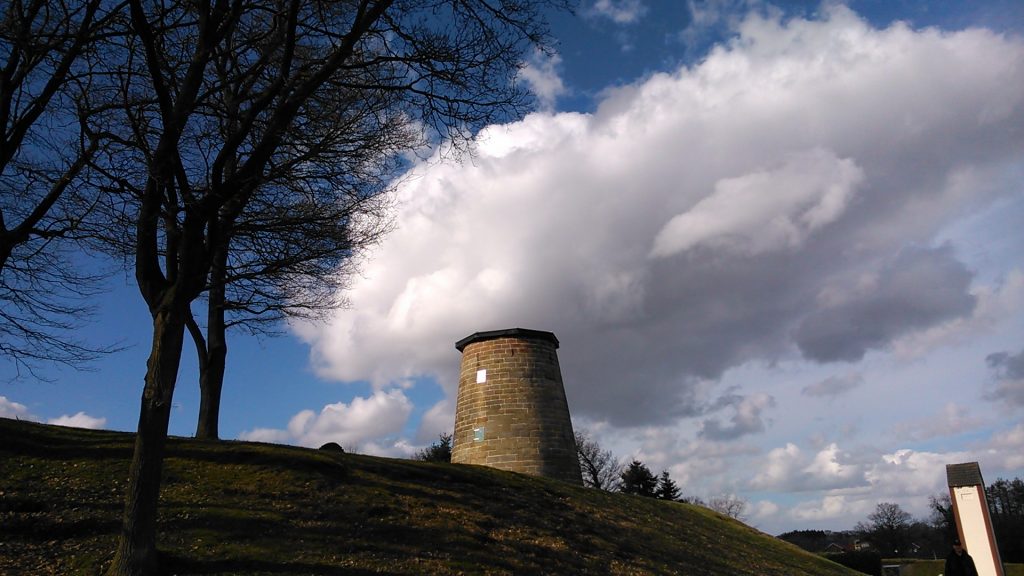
861, 545
822, 541
835, 548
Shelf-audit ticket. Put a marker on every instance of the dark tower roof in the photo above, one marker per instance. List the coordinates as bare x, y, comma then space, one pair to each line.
508, 333
968, 474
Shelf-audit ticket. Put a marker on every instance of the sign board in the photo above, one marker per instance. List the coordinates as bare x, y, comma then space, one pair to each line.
973, 523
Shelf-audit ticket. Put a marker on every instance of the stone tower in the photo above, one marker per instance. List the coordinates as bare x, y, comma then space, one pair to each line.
511, 411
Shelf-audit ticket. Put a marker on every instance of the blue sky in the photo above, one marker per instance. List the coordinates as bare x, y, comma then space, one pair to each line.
779, 243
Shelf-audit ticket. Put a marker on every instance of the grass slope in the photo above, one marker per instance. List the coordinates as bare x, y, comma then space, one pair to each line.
246, 508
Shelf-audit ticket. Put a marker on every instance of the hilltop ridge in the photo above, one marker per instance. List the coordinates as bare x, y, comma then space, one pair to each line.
249, 508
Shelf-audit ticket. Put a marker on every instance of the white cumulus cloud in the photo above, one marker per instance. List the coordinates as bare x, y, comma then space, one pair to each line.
618, 11
541, 74
830, 507
79, 420
771, 209
789, 468
12, 409
362, 423
793, 184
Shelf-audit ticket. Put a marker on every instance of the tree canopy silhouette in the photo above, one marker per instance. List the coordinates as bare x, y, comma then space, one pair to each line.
48, 62
241, 127
637, 479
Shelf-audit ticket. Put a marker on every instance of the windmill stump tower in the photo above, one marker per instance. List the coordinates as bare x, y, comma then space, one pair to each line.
511, 411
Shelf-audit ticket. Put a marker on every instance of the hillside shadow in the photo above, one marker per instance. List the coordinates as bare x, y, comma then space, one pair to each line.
173, 564
244, 509
63, 445
271, 456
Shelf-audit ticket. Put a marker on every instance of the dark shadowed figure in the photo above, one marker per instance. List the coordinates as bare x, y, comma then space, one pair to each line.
959, 562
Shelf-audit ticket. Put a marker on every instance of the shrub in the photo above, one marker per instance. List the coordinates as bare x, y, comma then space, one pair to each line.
866, 562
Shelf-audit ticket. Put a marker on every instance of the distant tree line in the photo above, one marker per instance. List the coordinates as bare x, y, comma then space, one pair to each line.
891, 532
1006, 507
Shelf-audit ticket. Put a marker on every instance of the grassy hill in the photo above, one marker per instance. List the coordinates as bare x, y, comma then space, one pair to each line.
247, 508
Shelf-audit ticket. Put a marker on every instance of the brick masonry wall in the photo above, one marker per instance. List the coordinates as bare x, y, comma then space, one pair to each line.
517, 417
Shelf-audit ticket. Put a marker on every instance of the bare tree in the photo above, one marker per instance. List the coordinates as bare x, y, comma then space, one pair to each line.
291, 251
729, 505
942, 518
888, 528
222, 103
601, 469
46, 60
283, 261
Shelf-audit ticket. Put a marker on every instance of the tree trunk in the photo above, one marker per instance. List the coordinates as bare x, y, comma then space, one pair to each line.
211, 371
136, 553
211, 383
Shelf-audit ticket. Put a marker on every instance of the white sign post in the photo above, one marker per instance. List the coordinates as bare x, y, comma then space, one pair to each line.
973, 523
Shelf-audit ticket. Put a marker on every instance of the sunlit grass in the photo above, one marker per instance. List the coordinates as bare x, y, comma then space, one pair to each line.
244, 508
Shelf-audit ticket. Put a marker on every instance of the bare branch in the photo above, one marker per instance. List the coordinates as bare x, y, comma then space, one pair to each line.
46, 147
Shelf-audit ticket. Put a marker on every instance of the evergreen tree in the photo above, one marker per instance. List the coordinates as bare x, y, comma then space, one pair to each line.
637, 479
667, 488
1006, 507
440, 451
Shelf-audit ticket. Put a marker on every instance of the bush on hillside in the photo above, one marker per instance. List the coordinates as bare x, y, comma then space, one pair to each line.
440, 451
866, 562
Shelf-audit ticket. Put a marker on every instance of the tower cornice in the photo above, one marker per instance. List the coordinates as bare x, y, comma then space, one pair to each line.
524, 333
